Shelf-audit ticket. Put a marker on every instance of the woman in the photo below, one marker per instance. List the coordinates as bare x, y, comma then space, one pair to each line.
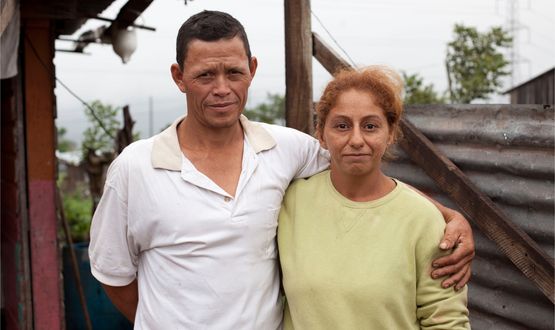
359, 257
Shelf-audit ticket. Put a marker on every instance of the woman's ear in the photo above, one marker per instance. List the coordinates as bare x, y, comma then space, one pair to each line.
391, 137
177, 76
320, 136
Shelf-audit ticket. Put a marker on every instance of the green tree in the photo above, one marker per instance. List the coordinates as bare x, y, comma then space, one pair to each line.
272, 111
475, 63
100, 137
64, 144
418, 93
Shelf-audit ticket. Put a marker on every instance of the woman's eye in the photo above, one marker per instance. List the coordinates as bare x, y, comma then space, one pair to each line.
370, 126
341, 126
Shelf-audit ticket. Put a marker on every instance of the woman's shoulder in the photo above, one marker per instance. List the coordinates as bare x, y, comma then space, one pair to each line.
307, 188
418, 206
311, 183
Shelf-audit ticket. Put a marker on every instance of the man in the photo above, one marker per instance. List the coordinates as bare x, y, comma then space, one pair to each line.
184, 235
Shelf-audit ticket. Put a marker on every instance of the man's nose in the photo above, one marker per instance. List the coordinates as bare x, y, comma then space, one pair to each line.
221, 85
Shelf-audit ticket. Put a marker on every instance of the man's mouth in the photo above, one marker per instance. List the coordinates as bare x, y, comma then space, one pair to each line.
221, 106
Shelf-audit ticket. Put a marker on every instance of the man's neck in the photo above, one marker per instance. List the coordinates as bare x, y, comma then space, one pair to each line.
217, 153
193, 136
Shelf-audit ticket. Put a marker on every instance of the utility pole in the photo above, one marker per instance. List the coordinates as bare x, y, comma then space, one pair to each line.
150, 117
513, 26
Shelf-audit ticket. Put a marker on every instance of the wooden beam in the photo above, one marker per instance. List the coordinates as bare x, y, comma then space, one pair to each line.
330, 60
298, 66
528, 257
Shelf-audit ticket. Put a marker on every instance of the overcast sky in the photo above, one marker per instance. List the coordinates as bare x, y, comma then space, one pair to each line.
405, 34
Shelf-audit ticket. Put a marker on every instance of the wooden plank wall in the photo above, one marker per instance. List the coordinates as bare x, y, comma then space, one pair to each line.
16, 282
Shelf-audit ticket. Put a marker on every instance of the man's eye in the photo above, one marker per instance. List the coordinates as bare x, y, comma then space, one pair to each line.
235, 73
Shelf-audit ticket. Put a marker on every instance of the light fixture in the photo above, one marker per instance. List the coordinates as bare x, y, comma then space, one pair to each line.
124, 43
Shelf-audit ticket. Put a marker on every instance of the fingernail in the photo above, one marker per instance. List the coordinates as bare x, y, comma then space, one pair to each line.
435, 265
443, 245
446, 285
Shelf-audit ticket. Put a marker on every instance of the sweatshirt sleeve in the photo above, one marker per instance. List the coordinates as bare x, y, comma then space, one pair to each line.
436, 307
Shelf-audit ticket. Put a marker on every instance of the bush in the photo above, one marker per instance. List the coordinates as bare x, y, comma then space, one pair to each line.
77, 210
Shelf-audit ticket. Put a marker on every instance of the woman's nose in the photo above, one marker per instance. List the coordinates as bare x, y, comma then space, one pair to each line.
356, 140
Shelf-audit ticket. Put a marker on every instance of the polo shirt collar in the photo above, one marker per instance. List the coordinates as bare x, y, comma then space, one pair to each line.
166, 152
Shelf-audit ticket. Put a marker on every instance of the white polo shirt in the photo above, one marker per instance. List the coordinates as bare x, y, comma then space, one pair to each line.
203, 259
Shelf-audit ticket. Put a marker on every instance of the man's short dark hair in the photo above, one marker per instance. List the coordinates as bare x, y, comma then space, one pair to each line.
209, 25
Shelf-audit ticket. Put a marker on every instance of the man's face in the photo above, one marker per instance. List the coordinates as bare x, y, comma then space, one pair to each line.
216, 77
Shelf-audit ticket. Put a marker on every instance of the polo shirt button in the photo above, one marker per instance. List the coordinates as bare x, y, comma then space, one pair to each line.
227, 199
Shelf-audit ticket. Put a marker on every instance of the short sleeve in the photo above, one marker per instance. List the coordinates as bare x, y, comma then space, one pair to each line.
113, 257
314, 159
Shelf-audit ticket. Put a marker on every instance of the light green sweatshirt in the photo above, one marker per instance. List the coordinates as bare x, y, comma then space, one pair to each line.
363, 265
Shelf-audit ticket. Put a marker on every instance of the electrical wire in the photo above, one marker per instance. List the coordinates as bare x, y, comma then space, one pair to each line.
332, 38
53, 75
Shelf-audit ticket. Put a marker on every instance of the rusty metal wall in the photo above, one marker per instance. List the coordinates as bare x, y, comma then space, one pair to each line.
508, 152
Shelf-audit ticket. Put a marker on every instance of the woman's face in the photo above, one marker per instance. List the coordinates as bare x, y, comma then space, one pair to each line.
356, 133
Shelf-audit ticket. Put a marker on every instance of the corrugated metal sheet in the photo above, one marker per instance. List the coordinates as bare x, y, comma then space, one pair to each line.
508, 152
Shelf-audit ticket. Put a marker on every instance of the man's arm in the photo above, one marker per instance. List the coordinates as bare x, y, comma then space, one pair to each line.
125, 298
458, 236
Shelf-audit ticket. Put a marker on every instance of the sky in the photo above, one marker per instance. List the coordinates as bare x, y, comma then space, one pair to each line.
407, 35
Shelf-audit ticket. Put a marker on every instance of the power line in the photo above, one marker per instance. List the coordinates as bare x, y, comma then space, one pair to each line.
51, 72
332, 38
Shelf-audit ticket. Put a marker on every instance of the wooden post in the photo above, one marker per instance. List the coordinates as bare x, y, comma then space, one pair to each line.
298, 66
39, 103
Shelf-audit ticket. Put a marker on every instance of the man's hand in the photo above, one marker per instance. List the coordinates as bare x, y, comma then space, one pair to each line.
458, 236
125, 298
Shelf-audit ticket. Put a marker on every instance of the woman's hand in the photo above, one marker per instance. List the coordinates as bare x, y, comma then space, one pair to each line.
458, 236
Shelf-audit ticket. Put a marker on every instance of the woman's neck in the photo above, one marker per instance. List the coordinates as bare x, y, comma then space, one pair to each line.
364, 188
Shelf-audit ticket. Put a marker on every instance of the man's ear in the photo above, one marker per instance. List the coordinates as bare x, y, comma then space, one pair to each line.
252, 66
177, 76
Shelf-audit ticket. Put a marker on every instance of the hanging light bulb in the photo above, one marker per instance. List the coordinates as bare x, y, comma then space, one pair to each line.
124, 43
